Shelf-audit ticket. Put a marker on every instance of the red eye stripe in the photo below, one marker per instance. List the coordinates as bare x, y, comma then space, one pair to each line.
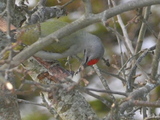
92, 62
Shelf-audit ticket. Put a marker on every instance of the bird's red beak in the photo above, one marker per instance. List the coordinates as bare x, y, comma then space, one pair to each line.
92, 62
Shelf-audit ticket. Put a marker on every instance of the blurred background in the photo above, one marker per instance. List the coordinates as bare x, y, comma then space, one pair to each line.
112, 52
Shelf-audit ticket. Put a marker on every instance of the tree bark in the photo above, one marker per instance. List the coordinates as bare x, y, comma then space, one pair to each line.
68, 104
9, 109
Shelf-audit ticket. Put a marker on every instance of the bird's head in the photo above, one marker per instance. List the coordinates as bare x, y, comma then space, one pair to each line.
93, 54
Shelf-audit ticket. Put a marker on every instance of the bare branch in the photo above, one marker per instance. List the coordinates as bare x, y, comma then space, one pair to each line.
143, 29
107, 91
145, 103
155, 61
138, 94
88, 7
67, 3
125, 7
107, 103
132, 71
152, 118
103, 80
42, 2
29, 102
127, 41
114, 75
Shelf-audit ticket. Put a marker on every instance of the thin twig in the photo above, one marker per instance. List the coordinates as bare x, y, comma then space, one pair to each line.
29, 102
131, 74
131, 58
88, 7
145, 103
107, 91
103, 80
119, 38
142, 30
3, 53
51, 109
107, 103
127, 41
133, 111
8, 19
67, 3
155, 61
152, 118
42, 87
114, 75
42, 2
8, 37
150, 29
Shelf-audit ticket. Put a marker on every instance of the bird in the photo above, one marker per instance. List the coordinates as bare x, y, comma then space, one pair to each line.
80, 41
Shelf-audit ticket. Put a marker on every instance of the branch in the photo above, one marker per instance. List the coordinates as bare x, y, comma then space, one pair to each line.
142, 30
108, 91
127, 41
103, 80
126, 7
69, 2
145, 103
114, 75
103, 100
132, 71
155, 62
152, 118
88, 7
43, 13
138, 94
29, 102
